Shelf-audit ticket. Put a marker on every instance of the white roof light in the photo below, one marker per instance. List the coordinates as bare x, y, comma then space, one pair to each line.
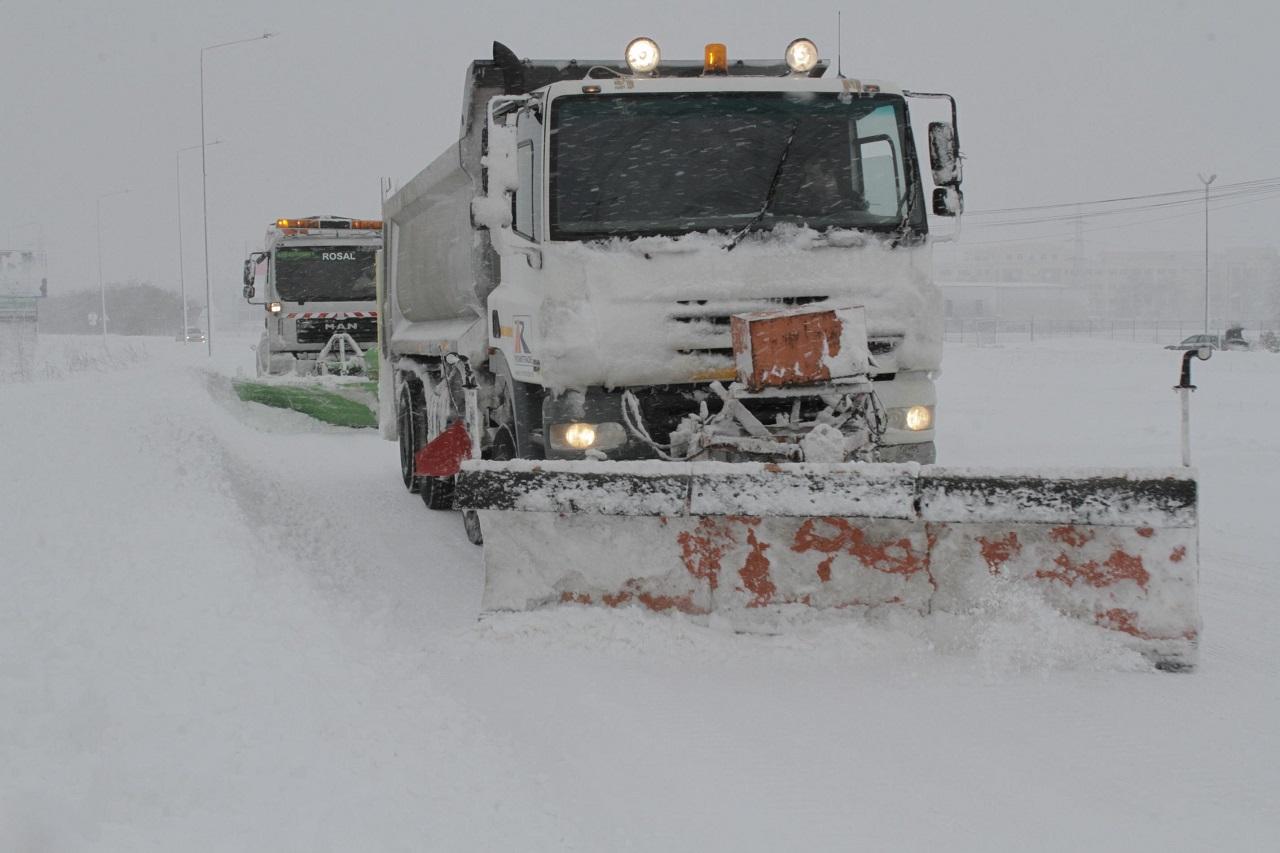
643, 55
802, 56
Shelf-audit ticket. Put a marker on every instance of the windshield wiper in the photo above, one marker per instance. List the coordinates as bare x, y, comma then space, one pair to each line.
773, 190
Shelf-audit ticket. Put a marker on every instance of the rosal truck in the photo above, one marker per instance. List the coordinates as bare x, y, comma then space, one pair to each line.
667, 333
315, 278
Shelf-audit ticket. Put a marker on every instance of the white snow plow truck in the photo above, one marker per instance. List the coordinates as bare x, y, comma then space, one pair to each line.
666, 333
315, 277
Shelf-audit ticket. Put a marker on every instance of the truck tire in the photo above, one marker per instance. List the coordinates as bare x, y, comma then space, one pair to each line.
411, 423
437, 492
502, 448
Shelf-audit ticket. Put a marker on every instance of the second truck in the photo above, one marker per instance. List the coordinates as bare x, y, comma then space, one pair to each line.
316, 280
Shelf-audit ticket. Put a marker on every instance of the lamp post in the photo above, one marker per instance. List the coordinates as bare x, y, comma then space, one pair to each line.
102, 288
204, 186
182, 280
1206, 182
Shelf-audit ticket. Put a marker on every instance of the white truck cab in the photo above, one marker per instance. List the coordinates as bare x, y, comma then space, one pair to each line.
581, 253
315, 277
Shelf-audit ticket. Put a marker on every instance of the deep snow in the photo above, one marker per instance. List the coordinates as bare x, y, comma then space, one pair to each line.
227, 627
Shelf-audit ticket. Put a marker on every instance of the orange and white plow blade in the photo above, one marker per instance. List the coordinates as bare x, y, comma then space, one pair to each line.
1114, 548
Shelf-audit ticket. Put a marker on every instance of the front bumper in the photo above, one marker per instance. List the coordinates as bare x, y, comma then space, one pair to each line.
665, 407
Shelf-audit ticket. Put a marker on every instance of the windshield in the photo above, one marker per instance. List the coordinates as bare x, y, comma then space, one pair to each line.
632, 165
325, 273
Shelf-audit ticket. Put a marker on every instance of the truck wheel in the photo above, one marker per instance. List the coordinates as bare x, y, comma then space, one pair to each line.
471, 522
411, 422
437, 492
502, 449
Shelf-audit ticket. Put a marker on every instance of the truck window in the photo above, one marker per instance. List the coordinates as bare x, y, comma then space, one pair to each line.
635, 165
523, 201
325, 273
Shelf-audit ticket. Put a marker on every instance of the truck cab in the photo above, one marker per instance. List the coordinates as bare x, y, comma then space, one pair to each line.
580, 257
315, 278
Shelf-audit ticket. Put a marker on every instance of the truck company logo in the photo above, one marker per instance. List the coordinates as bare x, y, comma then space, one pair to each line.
523, 354
521, 324
337, 256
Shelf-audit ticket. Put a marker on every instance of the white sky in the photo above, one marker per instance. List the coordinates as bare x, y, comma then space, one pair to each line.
1058, 102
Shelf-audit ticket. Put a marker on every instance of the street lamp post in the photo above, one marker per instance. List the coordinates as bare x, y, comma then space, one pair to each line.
1206, 182
204, 186
182, 279
102, 288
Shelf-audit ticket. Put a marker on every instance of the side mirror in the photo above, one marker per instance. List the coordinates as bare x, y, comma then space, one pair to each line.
948, 201
250, 274
1204, 353
944, 155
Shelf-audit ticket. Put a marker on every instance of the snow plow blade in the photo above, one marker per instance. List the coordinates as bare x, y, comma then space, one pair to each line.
1114, 548
348, 404
348, 401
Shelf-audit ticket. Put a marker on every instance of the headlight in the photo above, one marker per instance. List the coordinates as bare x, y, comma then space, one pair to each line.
584, 436
643, 55
913, 418
274, 307
802, 56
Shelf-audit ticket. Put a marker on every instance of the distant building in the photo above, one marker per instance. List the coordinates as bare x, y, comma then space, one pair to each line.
1019, 280
1012, 300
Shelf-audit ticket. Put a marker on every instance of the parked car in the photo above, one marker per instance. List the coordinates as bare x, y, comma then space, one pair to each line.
1228, 341
193, 335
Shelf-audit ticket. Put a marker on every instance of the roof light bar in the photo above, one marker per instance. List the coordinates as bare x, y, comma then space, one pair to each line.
337, 224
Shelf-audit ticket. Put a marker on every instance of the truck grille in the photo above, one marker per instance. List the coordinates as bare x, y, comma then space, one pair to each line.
701, 319
318, 331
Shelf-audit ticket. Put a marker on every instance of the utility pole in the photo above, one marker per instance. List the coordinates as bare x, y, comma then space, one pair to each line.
182, 279
204, 189
102, 288
1206, 182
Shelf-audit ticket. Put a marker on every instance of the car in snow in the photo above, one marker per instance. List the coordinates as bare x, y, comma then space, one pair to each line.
193, 335
1228, 341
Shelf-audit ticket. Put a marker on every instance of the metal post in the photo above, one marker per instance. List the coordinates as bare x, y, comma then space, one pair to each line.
204, 190
1206, 183
1184, 389
182, 281
102, 288
204, 203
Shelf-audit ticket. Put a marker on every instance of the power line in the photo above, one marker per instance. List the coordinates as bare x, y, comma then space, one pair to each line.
1066, 235
1261, 192
1198, 193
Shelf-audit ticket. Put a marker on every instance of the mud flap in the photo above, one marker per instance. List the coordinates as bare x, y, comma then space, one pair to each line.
1117, 549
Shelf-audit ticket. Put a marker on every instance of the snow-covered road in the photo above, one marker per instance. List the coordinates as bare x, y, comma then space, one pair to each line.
224, 627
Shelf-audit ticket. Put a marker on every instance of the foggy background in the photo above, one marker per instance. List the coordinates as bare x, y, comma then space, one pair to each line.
1058, 103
